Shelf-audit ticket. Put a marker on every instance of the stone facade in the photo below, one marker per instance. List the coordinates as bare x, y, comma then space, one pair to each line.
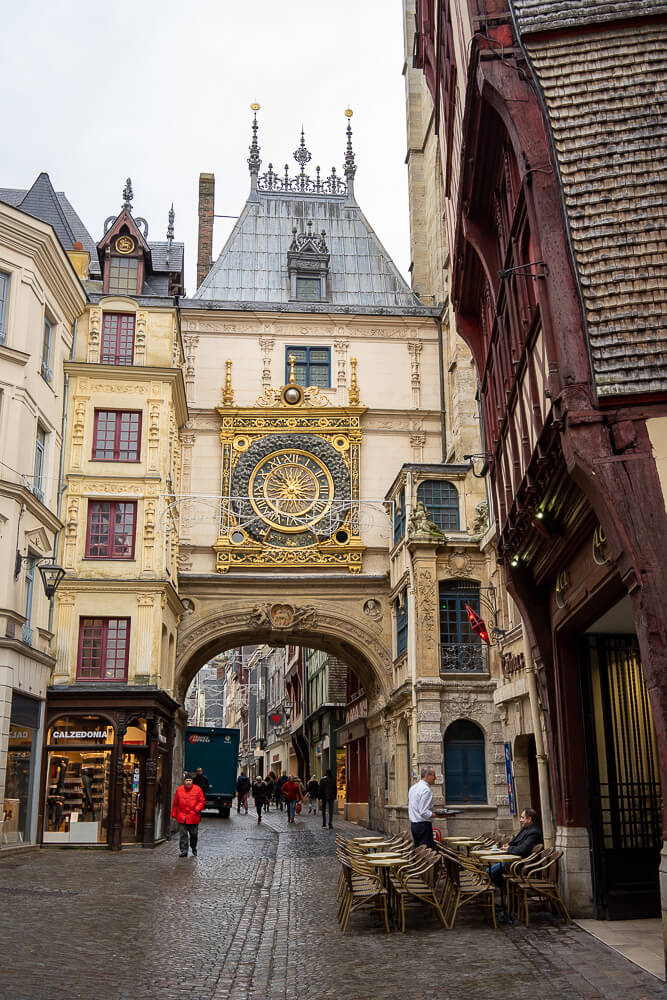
41, 300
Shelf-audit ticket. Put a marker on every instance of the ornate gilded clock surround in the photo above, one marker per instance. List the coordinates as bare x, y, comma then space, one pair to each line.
290, 483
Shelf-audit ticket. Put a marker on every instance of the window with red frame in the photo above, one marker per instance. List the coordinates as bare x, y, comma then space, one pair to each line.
117, 436
117, 339
104, 645
111, 528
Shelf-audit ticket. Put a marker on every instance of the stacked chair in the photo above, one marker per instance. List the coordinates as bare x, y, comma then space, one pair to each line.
535, 878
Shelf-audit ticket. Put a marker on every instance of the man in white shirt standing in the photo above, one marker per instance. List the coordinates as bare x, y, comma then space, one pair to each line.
420, 808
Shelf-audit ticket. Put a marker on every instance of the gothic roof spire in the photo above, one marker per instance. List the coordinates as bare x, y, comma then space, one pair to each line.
349, 164
170, 224
128, 195
254, 161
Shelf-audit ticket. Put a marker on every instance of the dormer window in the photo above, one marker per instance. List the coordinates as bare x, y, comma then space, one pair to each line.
308, 289
308, 266
123, 276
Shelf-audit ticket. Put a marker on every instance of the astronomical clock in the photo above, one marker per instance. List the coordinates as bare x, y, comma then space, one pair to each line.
290, 480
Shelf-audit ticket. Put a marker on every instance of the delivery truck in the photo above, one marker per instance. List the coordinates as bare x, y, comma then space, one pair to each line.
216, 751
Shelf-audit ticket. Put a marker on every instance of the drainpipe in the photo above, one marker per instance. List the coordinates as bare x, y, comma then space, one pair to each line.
412, 629
443, 416
542, 760
61, 469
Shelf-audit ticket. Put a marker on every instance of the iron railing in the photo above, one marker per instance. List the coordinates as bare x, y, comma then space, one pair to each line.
463, 658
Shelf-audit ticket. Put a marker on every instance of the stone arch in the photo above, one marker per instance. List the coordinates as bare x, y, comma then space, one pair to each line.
362, 646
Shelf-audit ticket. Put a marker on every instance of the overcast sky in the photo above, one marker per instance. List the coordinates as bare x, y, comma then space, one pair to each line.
160, 91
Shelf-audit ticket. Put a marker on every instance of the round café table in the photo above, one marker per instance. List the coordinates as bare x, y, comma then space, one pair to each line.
385, 862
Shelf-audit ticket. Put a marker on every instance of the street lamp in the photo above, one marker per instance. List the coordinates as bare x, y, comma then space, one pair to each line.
52, 575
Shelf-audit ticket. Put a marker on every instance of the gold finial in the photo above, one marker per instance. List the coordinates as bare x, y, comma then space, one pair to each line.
228, 392
292, 377
348, 112
354, 388
255, 106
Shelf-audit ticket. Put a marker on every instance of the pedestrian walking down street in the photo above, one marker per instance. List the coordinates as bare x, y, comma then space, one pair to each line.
201, 780
259, 795
270, 782
327, 795
420, 809
292, 795
242, 789
279, 790
186, 810
313, 789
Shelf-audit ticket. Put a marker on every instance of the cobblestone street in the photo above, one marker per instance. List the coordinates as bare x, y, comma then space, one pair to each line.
253, 918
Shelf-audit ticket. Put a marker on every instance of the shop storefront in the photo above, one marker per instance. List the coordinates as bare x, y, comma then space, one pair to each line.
107, 767
352, 761
22, 767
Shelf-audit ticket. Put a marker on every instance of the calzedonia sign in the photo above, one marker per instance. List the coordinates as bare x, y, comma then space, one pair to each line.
79, 734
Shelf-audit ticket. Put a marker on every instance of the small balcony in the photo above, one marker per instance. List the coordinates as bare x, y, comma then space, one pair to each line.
464, 658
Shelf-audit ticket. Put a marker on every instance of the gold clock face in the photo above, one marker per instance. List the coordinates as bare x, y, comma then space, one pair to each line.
125, 244
291, 490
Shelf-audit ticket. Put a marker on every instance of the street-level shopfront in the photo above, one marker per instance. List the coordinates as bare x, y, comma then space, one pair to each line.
18, 807
353, 776
107, 767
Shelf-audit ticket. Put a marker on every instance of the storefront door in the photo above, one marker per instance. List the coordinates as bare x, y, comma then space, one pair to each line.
624, 781
132, 797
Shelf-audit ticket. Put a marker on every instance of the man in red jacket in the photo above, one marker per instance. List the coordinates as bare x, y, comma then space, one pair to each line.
186, 810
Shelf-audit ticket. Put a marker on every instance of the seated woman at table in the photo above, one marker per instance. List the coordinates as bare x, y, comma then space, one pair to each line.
523, 844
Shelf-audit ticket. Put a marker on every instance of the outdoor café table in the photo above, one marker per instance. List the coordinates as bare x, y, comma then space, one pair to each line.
497, 857
385, 862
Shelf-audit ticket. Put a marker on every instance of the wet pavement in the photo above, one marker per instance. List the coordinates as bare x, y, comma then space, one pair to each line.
254, 918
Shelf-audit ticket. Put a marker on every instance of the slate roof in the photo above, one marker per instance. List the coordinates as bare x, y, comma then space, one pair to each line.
252, 267
549, 15
43, 202
605, 95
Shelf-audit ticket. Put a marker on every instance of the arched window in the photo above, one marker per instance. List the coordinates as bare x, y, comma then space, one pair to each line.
465, 767
441, 500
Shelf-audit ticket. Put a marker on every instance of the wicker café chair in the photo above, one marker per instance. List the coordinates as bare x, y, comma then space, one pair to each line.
467, 883
540, 883
418, 881
362, 888
517, 869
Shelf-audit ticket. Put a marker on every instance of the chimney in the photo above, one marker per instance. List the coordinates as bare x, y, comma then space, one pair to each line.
80, 259
205, 239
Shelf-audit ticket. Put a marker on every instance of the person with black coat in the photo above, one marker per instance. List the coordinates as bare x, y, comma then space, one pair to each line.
313, 789
327, 794
258, 792
279, 790
522, 844
242, 789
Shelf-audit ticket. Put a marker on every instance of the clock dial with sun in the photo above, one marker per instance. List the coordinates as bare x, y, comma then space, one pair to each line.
291, 490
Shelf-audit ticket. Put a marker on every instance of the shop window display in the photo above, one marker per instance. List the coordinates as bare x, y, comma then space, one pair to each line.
78, 781
15, 810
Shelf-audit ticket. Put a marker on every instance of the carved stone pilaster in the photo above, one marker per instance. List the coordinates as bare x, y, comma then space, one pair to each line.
266, 344
190, 343
154, 407
71, 532
94, 327
140, 338
150, 517
341, 347
415, 349
65, 634
78, 430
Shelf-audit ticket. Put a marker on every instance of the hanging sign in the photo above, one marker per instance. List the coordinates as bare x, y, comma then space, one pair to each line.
510, 779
